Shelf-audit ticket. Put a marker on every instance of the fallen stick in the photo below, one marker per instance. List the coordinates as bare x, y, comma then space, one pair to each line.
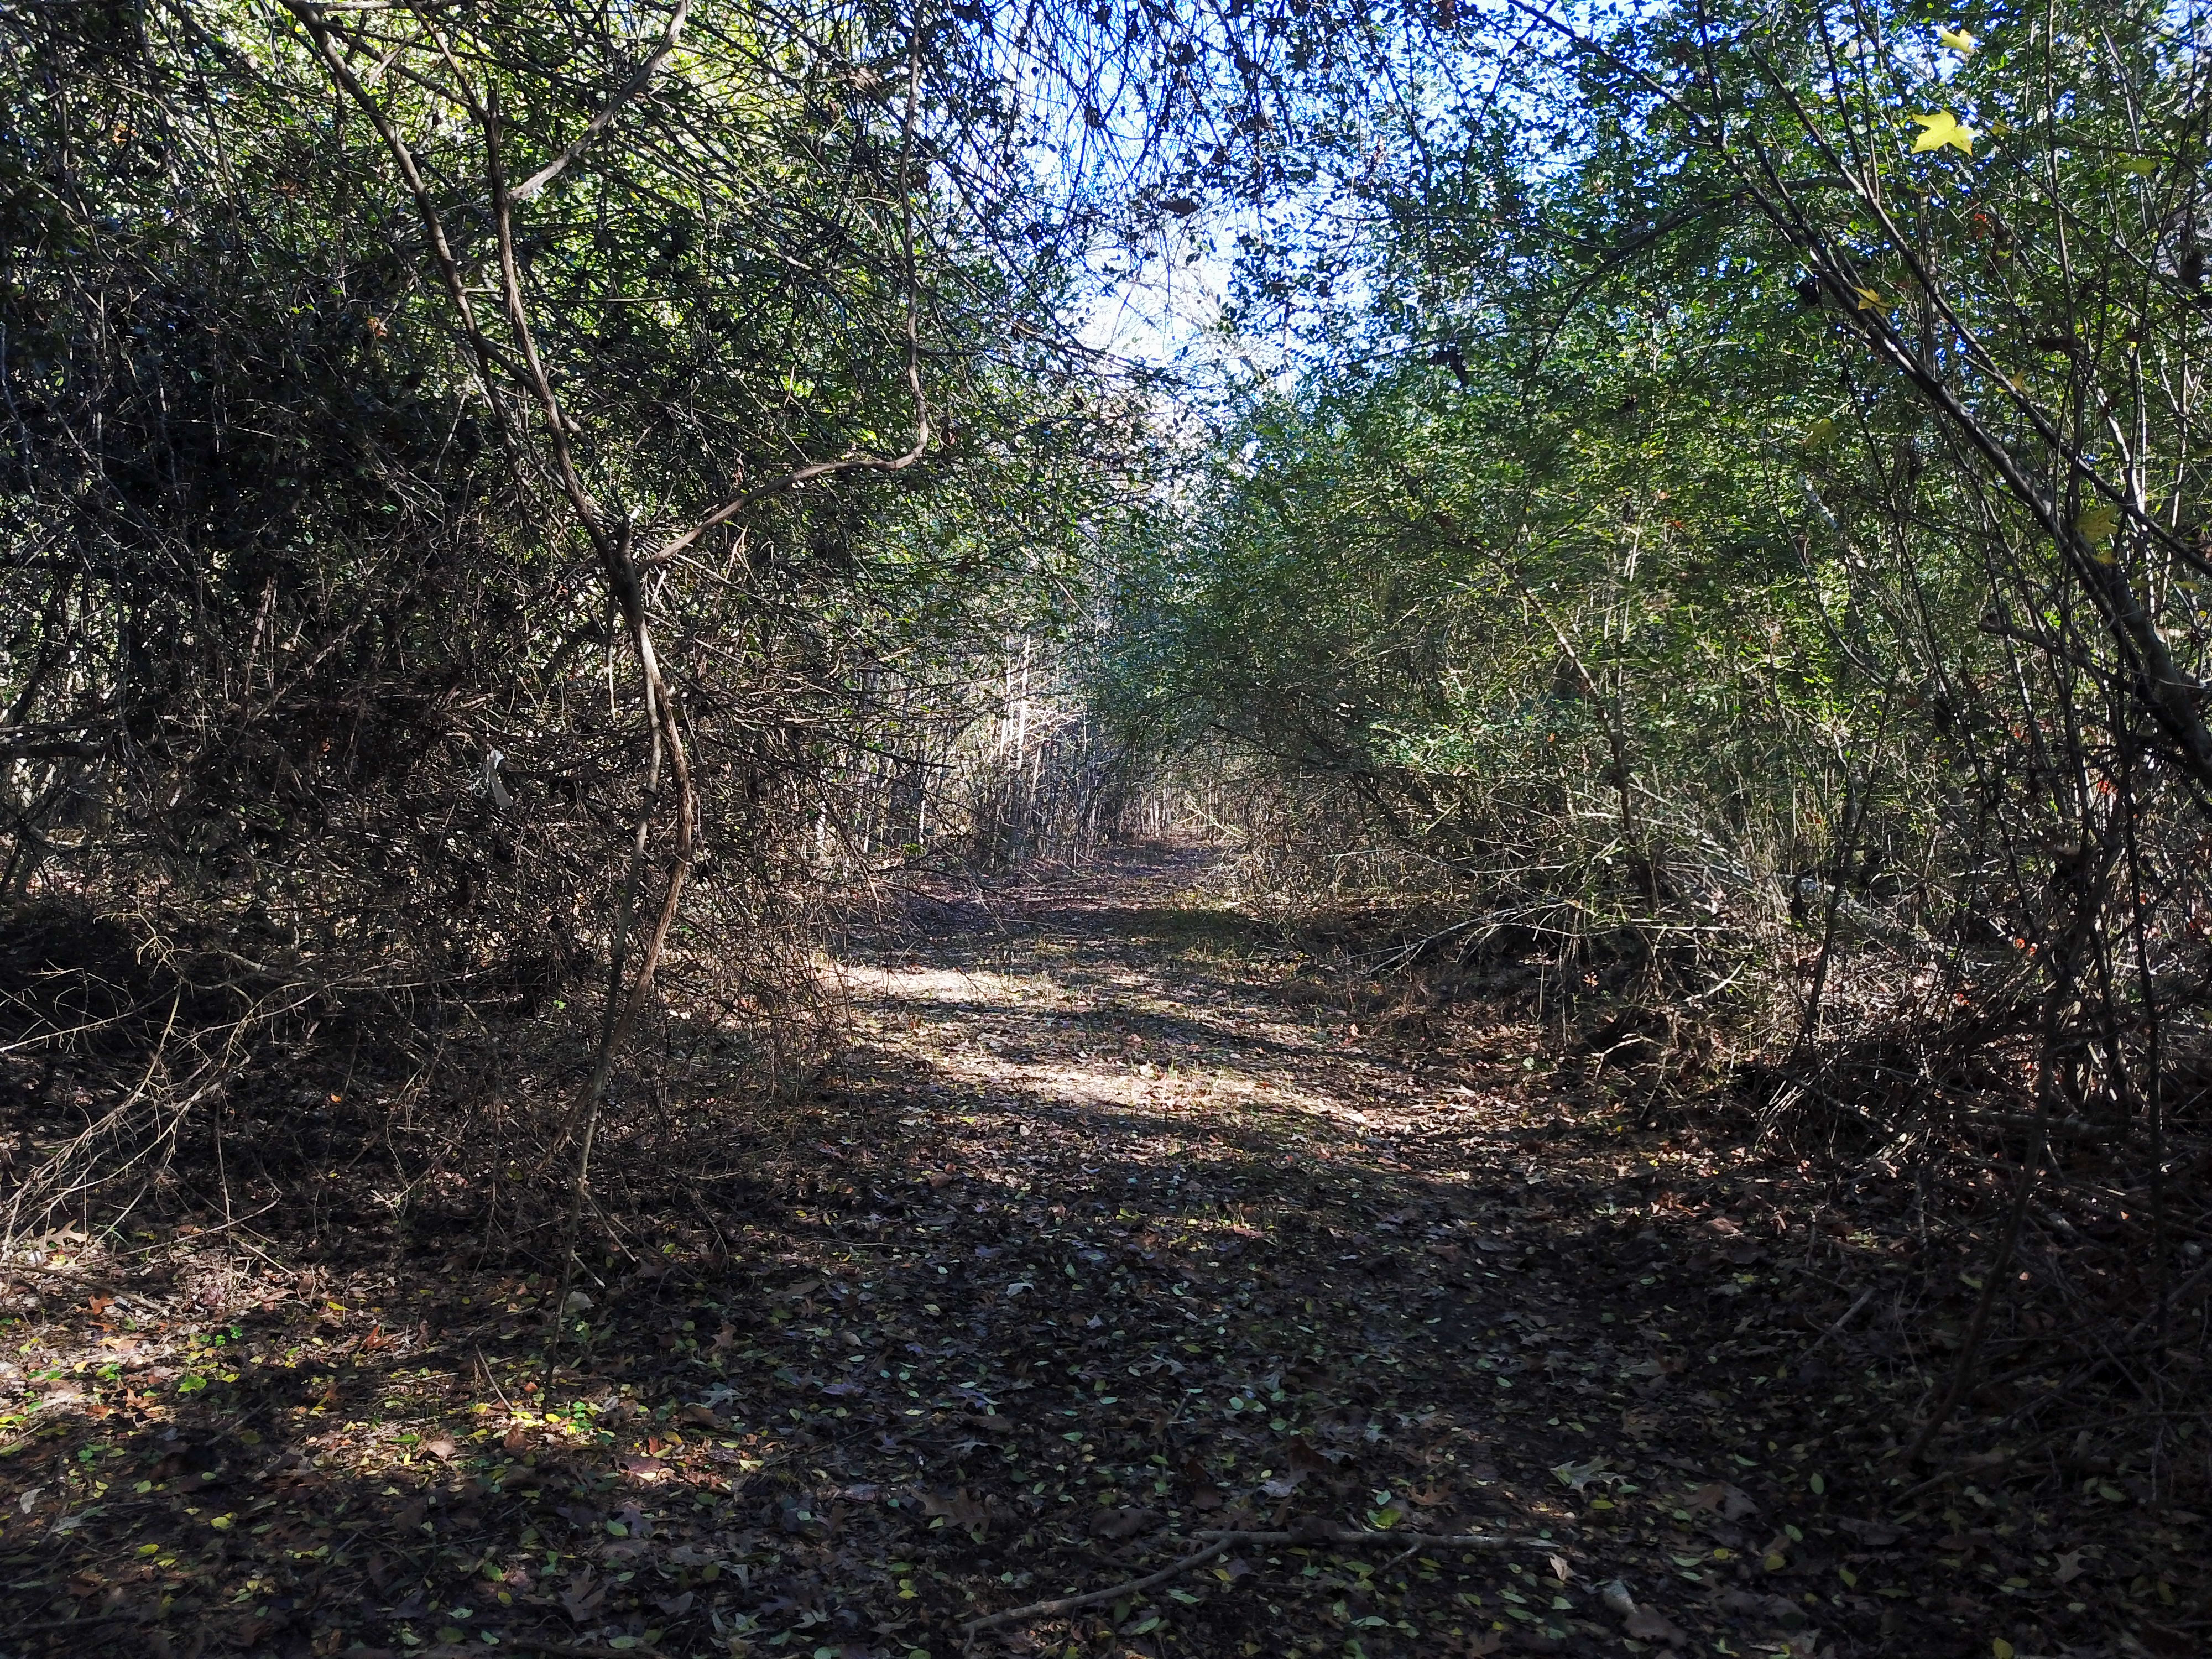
1091, 1598
1441, 1540
1219, 1543
1837, 1329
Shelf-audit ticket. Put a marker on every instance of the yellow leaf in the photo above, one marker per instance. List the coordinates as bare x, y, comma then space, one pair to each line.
2001, 1648
1940, 128
1867, 298
2097, 523
2142, 166
1818, 433
1957, 40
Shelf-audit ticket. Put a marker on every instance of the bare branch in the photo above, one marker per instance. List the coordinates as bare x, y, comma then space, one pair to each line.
630, 91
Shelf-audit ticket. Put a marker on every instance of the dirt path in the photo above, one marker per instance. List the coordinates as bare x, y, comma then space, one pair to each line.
1119, 1224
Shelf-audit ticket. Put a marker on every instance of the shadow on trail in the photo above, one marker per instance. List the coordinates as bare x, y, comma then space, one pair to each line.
1112, 1230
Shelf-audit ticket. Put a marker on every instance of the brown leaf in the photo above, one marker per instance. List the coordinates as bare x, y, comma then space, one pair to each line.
442, 1448
1119, 1523
1875, 1534
1649, 1625
1207, 1498
702, 1416
582, 1597
1732, 1502
957, 1507
1302, 1456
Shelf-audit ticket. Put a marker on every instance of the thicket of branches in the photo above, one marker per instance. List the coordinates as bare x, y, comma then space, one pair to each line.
472, 483
508, 507
1737, 541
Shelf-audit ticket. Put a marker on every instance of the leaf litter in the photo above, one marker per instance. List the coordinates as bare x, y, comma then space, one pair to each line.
1118, 1228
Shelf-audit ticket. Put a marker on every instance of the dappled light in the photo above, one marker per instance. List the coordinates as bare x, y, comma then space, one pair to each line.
1108, 1234
1122, 828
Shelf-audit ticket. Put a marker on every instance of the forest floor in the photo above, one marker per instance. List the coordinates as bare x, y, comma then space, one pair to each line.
1123, 1221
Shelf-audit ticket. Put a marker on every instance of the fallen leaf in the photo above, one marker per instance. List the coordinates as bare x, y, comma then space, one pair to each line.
1732, 1502
1118, 1523
1579, 1476
1649, 1625
583, 1596
957, 1507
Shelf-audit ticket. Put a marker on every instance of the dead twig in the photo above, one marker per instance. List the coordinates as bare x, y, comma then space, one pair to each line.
1438, 1541
1219, 1543
1837, 1329
1092, 1598
121, 1616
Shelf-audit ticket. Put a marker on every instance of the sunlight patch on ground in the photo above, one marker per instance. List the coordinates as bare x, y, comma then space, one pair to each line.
947, 984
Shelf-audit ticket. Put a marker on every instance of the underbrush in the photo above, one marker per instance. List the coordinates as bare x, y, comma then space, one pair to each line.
160, 1080
2048, 1131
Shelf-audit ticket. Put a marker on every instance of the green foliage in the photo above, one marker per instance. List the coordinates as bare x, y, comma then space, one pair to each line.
1694, 450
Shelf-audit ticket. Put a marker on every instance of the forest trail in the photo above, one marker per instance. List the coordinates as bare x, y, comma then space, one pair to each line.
1261, 1253
1124, 1220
